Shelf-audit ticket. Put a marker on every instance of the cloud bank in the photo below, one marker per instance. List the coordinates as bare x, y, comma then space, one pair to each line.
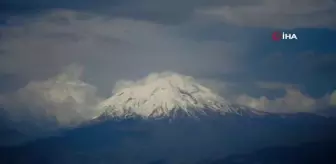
55, 39
60, 101
292, 101
333, 99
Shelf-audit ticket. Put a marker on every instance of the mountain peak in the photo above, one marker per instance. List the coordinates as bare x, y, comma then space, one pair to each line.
163, 94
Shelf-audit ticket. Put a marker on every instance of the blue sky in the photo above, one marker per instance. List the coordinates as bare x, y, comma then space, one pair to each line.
226, 43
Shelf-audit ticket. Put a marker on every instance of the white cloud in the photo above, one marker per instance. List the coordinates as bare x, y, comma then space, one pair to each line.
277, 14
292, 102
60, 101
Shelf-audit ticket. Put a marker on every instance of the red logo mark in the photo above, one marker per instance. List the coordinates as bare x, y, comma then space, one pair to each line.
276, 36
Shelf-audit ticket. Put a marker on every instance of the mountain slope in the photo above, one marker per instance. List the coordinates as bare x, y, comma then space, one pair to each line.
308, 153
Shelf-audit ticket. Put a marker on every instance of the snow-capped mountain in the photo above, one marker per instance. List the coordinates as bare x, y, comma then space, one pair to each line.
166, 95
